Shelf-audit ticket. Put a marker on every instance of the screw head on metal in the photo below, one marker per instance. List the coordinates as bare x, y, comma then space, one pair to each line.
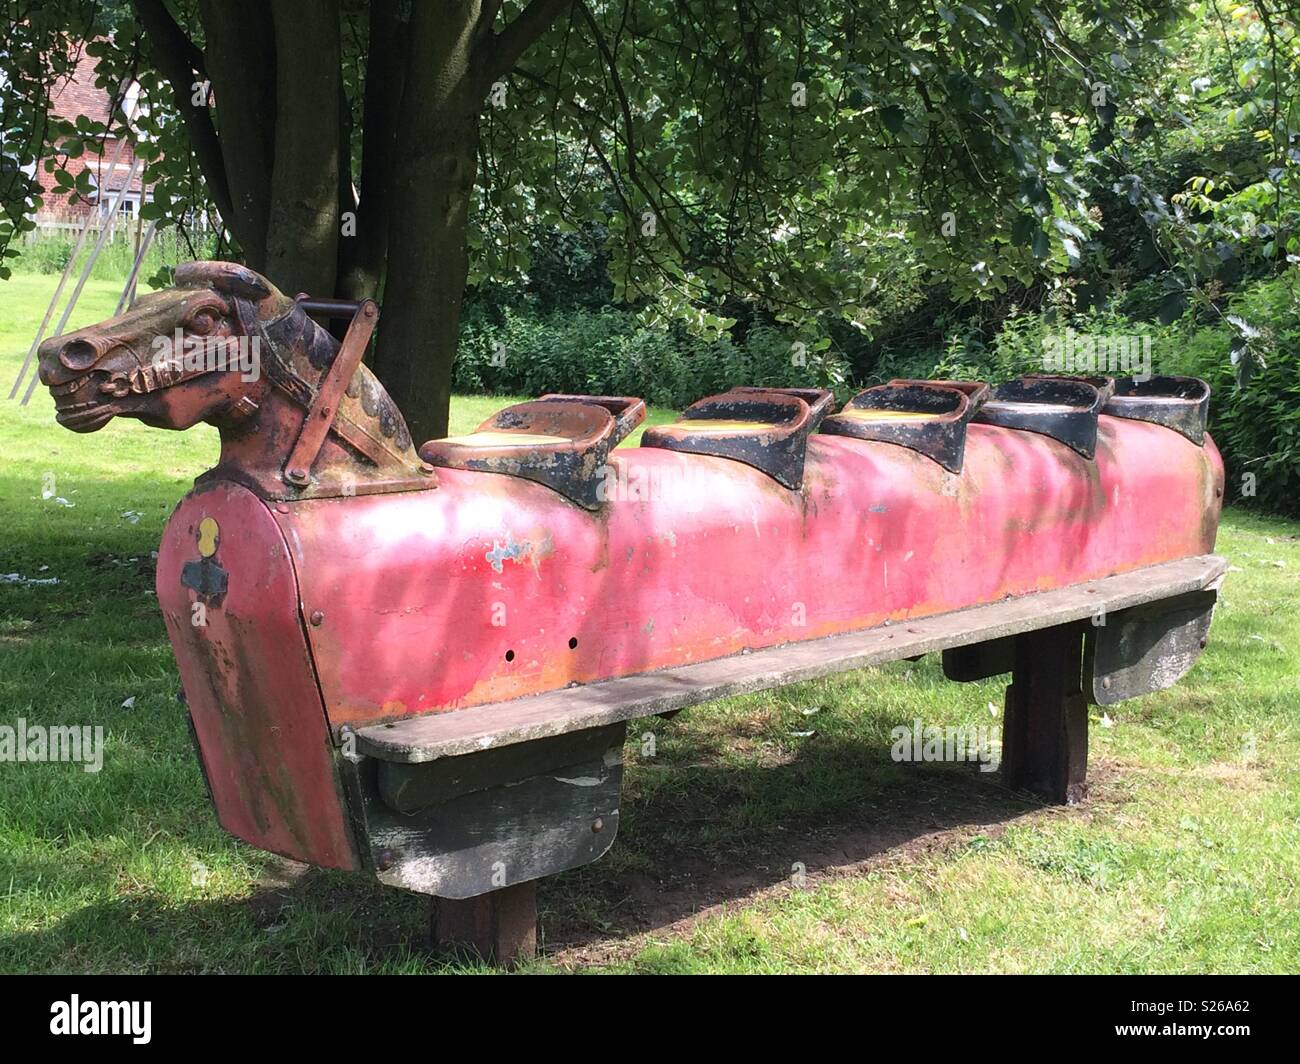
317, 618
597, 826
385, 859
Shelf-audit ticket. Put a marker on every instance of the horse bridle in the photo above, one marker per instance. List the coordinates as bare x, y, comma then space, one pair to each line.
158, 374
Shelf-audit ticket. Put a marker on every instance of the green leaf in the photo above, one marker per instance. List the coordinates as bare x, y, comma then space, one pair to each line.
1171, 308
1023, 229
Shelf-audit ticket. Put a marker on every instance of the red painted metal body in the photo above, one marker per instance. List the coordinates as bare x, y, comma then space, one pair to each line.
250, 683
354, 610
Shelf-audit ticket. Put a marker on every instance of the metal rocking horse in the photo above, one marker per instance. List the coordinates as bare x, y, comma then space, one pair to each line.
422, 665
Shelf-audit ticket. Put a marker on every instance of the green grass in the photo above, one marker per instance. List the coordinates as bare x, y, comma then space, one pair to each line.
48, 253
1186, 858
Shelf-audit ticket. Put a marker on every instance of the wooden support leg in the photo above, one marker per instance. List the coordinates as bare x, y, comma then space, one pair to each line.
1045, 726
501, 926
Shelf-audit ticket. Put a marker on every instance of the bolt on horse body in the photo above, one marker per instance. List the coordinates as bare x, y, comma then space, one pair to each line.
422, 665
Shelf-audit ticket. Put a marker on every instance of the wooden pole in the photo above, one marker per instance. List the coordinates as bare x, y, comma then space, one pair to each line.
104, 234
1045, 726
128, 291
58, 290
499, 927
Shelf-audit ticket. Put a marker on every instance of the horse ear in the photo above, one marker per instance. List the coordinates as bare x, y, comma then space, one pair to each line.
228, 277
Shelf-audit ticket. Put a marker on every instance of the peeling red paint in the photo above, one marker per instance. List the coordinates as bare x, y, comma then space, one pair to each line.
877, 533
250, 685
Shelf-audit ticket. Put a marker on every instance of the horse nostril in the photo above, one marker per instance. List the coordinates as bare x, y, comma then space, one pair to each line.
78, 355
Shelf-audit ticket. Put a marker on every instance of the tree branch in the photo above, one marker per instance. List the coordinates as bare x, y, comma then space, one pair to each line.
502, 50
629, 135
178, 59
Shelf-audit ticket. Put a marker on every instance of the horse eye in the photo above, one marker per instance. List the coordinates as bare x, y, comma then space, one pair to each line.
203, 322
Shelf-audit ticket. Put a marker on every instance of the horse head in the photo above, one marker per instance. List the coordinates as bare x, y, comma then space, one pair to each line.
225, 346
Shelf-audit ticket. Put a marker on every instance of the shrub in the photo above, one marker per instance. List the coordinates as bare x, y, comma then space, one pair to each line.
1024, 340
49, 255
1255, 408
1254, 415
610, 352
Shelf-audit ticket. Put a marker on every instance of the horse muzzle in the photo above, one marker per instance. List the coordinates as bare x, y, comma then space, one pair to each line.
82, 405
82, 378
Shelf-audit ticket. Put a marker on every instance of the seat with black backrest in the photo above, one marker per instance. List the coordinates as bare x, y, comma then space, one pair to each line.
821, 401
562, 441
929, 417
1104, 384
1065, 409
1178, 403
766, 428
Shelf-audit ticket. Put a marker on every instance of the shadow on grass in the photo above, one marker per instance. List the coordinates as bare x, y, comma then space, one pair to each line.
302, 920
675, 857
687, 852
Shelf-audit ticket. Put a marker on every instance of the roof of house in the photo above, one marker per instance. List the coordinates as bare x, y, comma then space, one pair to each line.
77, 94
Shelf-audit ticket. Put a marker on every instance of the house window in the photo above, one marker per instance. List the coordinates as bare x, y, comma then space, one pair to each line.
130, 207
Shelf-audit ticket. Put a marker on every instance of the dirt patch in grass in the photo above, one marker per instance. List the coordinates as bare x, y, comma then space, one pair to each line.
589, 919
593, 918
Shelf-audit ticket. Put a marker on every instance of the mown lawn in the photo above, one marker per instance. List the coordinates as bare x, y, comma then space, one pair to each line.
1186, 858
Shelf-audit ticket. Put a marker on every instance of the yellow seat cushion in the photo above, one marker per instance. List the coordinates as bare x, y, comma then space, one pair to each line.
701, 425
887, 415
502, 439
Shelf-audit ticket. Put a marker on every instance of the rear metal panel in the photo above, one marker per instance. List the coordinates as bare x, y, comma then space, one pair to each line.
545, 814
1148, 648
492, 587
248, 678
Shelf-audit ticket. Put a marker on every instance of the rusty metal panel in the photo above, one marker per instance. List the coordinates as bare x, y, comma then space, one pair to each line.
539, 814
248, 677
1148, 648
492, 587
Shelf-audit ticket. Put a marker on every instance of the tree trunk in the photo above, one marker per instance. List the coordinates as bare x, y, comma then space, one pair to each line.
428, 263
241, 63
303, 231
363, 252
278, 157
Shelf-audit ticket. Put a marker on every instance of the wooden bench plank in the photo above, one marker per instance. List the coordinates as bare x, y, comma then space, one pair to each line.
431, 736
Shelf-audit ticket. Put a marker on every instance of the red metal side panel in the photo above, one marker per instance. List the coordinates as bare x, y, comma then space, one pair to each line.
250, 684
491, 587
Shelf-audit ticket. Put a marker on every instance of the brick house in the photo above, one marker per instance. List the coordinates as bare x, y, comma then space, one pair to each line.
78, 95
